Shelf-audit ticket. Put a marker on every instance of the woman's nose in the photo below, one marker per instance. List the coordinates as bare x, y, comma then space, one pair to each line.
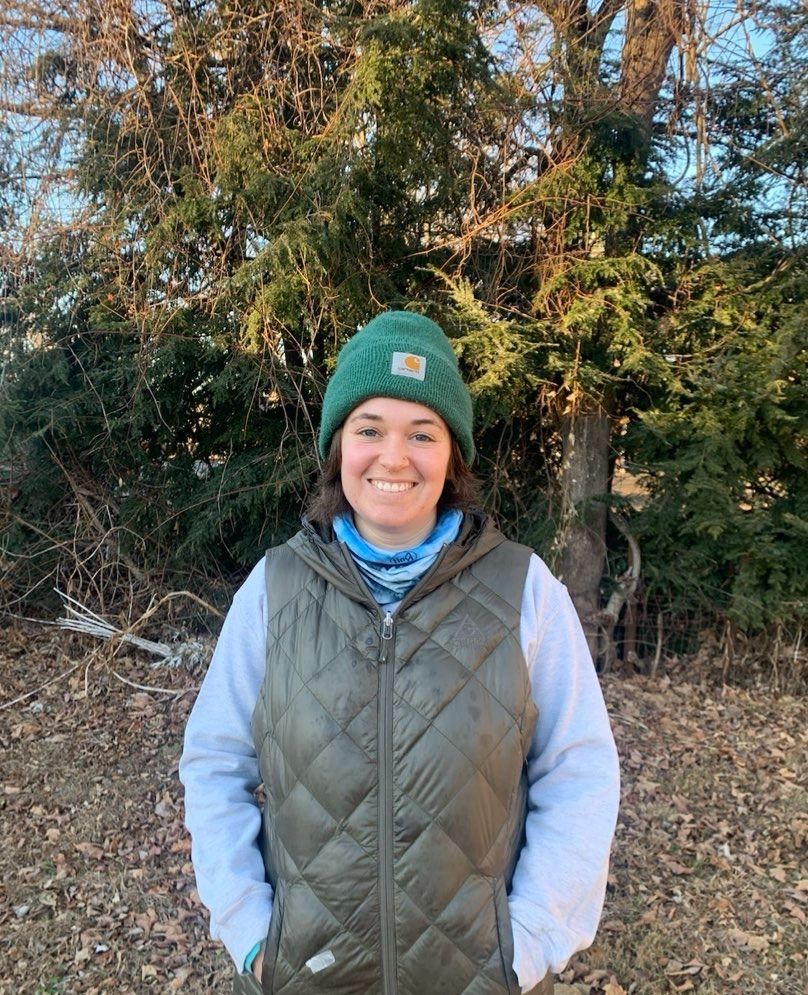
394, 455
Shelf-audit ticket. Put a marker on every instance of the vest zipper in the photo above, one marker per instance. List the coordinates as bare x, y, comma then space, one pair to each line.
385, 734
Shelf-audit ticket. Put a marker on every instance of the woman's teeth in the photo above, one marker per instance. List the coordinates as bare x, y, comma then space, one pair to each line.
391, 488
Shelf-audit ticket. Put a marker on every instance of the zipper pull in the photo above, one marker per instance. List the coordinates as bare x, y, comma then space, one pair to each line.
387, 627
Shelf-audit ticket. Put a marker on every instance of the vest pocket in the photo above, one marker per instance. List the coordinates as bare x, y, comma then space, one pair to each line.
272, 945
246, 983
504, 935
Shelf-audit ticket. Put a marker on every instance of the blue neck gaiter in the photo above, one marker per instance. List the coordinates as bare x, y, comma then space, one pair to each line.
390, 573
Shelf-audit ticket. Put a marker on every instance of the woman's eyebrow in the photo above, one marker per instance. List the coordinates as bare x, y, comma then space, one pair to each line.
370, 416
366, 414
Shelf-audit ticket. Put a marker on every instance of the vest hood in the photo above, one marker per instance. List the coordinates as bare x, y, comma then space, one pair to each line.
332, 561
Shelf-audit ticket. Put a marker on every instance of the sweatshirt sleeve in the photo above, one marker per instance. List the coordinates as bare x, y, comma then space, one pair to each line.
219, 770
559, 882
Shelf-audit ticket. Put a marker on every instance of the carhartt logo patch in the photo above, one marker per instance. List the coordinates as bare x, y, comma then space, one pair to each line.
468, 635
405, 364
320, 961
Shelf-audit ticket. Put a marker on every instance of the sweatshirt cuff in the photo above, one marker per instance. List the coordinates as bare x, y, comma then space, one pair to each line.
529, 960
240, 926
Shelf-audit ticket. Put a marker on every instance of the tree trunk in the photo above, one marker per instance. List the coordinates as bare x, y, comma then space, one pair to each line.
652, 29
584, 478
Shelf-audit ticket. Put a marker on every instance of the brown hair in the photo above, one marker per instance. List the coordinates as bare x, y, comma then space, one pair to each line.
461, 489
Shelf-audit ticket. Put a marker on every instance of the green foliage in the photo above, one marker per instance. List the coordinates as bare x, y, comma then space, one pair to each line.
162, 402
259, 186
726, 451
156, 453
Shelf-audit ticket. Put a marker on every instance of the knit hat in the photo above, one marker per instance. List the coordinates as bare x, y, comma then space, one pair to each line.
403, 355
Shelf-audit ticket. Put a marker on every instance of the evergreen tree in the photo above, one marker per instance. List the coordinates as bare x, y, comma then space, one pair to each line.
610, 233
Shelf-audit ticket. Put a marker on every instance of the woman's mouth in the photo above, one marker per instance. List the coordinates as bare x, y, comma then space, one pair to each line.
392, 487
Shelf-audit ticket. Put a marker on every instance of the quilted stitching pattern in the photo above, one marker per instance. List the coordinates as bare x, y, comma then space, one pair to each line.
462, 721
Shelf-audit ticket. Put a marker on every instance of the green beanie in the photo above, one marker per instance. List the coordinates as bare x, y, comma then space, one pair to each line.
403, 355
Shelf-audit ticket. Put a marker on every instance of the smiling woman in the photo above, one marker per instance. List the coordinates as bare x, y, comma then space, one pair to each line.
415, 693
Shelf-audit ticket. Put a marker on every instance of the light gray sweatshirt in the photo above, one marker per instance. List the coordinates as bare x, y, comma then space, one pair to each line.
560, 878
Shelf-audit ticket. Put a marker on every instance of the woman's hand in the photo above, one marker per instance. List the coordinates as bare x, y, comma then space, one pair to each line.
258, 963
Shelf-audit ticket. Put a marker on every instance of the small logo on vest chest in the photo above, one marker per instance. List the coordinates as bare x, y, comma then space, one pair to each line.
468, 636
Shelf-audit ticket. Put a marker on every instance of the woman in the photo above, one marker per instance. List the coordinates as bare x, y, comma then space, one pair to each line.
416, 695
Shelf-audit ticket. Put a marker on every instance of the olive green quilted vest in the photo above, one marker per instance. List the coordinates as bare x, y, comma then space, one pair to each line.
393, 754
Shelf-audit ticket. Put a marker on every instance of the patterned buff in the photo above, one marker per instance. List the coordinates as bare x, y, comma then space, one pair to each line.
390, 573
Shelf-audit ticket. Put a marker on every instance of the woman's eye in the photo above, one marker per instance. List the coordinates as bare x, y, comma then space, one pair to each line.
368, 433
422, 437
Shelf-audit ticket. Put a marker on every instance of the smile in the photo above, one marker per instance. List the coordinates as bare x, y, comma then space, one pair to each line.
390, 487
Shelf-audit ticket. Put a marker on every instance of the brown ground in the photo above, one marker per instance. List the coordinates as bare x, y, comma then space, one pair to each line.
707, 893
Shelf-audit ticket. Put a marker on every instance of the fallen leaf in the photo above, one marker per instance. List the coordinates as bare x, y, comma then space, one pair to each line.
750, 941
89, 850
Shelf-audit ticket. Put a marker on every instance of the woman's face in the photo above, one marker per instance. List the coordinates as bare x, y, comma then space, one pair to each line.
394, 460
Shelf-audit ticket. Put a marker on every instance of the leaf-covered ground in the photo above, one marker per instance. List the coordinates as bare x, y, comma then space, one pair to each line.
96, 889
